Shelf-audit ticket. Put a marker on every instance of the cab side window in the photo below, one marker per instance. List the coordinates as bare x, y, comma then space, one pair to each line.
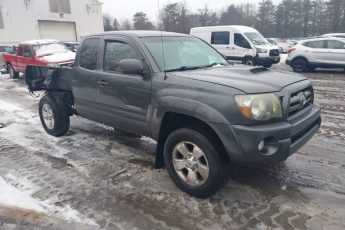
27, 51
89, 53
115, 51
220, 38
20, 50
240, 41
334, 44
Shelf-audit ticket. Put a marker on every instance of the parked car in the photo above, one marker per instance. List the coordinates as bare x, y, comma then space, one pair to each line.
283, 45
327, 52
240, 43
337, 35
203, 112
73, 46
4, 49
37, 52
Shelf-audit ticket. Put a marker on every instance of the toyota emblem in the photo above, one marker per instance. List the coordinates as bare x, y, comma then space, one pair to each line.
302, 100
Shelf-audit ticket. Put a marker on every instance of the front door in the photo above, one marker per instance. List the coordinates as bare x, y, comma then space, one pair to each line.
336, 52
241, 46
124, 99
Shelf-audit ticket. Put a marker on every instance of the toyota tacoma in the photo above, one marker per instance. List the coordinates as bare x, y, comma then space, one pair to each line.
205, 113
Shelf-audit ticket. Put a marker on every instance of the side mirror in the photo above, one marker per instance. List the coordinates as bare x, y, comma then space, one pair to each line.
131, 66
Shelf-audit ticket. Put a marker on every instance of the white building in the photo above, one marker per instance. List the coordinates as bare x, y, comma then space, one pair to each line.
65, 20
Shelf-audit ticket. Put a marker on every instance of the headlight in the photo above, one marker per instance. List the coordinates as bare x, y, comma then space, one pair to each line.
261, 107
259, 50
53, 65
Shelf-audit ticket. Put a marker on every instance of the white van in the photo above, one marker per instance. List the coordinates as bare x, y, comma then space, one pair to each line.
240, 43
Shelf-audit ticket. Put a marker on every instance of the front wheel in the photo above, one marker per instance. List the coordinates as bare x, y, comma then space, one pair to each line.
54, 115
249, 61
13, 73
195, 162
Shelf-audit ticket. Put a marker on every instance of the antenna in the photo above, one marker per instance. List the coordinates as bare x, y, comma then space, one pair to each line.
165, 74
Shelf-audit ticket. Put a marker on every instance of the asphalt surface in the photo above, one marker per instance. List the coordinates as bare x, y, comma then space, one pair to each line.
98, 178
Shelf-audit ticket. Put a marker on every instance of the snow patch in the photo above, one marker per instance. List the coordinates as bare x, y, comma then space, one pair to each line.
11, 196
9, 107
17, 192
59, 57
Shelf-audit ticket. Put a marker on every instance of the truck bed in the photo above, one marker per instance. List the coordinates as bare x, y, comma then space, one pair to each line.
40, 78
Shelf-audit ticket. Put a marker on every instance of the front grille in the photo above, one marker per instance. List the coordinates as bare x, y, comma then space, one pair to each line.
300, 100
274, 53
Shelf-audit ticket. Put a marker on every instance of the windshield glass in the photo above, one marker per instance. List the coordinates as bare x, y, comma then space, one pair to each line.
50, 48
256, 38
182, 53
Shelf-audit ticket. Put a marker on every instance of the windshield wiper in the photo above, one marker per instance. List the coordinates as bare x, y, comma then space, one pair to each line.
213, 64
184, 68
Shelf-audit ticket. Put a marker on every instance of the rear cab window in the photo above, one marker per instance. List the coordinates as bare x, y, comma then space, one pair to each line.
220, 38
89, 53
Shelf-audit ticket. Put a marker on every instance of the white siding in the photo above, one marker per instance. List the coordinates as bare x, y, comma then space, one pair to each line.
21, 21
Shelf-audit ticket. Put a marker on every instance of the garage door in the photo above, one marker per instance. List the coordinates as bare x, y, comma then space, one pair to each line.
63, 31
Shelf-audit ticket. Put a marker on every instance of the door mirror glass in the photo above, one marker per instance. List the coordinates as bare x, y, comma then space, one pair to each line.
131, 66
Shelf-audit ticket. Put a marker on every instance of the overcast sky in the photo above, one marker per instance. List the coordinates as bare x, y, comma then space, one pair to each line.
122, 9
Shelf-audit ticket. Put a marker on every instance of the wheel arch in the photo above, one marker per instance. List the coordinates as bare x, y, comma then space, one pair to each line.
175, 120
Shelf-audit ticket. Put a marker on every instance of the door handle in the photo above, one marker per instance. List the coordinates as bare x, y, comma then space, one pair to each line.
227, 47
102, 83
233, 48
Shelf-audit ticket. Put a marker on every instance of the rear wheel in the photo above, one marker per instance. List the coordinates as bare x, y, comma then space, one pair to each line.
54, 115
299, 65
13, 73
195, 162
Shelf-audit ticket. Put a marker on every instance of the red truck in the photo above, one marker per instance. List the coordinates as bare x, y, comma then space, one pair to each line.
50, 53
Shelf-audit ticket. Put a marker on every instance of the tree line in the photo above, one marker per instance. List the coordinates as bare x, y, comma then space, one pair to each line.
287, 19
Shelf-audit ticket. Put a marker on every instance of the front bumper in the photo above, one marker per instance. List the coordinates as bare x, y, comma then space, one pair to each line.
281, 139
267, 60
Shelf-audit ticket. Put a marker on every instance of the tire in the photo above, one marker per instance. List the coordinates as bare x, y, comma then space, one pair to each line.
13, 73
54, 115
299, 65
249, 61
200, 177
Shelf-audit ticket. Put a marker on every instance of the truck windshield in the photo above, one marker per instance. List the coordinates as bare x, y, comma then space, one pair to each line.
256, 38
182, 53
49, 48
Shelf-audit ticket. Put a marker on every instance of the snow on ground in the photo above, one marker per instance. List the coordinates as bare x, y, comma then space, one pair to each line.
18, 193
13, 197
9, 107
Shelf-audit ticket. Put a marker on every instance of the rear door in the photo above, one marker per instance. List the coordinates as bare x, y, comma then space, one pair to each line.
336, 51
85, 75
124, 99
221, 41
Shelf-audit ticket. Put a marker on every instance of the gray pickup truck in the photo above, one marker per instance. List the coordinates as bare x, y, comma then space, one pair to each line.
204, 113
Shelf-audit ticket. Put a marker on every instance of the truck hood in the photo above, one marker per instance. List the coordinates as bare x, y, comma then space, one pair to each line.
246, 79
59, 57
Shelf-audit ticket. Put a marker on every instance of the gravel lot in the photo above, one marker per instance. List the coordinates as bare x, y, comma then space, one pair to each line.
97, 178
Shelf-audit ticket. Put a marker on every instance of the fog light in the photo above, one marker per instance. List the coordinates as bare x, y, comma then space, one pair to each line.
261, 145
